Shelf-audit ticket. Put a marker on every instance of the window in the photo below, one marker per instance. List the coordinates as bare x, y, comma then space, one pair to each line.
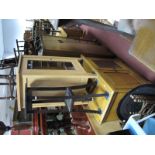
55, 65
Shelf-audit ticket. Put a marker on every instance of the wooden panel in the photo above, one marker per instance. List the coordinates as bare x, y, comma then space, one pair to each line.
119, 80
56, 104
18, 91
19, 84
111, 114
73, 32
108, 65
101, 102
116, 82
72, 47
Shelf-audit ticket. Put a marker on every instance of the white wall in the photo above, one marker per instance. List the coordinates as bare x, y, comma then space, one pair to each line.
54, 23
124, 26
1, 40
12, 29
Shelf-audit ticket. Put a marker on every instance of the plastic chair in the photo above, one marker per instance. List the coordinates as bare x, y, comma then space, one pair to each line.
138, 126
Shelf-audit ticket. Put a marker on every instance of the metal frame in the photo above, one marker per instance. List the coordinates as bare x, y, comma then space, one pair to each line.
34, 46
9, 64
11, 82
69, 98
19, 46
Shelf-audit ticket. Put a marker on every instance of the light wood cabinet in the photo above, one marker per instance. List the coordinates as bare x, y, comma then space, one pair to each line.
116, 79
